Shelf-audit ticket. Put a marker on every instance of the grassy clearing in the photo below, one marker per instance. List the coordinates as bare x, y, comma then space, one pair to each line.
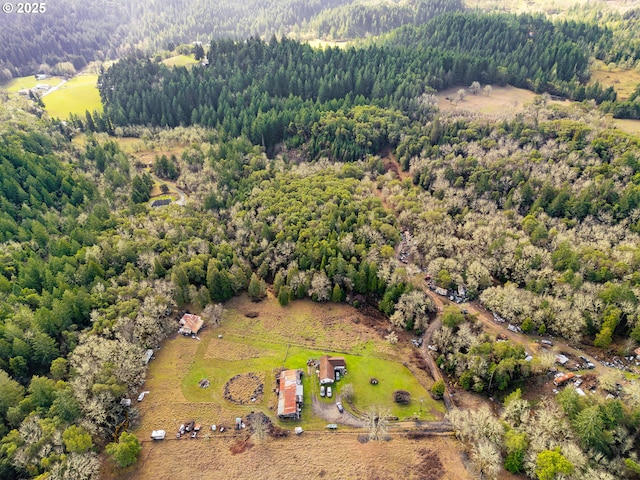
550, 7
330, 455
180, 61
503, 101
259, 345
629, 126
17, 84
278, 338
76, 96
317, 43
624, 81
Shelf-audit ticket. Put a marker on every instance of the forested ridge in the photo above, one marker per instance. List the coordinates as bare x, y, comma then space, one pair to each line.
64, 38
278, 90
74, 33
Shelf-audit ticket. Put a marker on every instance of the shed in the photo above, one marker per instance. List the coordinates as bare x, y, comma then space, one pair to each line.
290, 394
158, 434
160, 203
561, 359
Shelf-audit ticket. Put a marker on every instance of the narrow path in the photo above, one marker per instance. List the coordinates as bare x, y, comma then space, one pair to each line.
53, 89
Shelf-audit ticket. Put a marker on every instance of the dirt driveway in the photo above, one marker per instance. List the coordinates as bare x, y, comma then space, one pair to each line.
330, 413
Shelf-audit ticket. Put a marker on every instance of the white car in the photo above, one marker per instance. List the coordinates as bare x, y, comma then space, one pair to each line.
322, 390
329, 393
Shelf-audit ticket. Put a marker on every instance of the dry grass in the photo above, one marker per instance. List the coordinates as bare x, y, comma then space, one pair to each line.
327, 455
551, 7
231, 351
243, 388
624, 81
629, 126
503, 101
176, 398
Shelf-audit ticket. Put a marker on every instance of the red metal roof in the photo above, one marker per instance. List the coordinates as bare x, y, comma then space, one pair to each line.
287, 404
191, 322
564, 378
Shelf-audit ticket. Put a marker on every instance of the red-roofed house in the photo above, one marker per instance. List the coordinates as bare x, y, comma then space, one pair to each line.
191, 324
328, 368
290, 394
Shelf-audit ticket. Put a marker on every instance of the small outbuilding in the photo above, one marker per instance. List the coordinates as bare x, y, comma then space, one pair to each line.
160, 203
290, 394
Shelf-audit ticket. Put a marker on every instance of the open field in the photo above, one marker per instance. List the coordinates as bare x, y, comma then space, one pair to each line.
180, 61
550, 7
317, 43
17, 84
329, 455
502, 101
624, 81
76, 96
629, 126
283, 337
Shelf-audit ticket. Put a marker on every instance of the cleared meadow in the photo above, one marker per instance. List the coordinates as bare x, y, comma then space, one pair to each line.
280, 337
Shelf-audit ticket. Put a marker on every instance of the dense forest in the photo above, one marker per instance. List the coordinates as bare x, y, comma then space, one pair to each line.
61, 40
70, 34
283, 89
302, 166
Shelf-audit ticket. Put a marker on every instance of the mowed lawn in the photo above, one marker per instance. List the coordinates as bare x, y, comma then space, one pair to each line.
17, 84
251, 351
180, 61
76, 96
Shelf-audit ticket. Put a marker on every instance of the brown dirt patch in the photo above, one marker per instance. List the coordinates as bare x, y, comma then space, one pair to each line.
241, 446
429, 466
231, 351
242, 388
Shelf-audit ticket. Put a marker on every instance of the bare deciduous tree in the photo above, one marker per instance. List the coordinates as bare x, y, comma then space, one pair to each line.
377, 423
212, 314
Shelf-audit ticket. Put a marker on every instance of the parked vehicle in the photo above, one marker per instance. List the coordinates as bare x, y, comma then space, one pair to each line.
340, 407
332, 426
329, 392
141, 396
158, 434
322, 391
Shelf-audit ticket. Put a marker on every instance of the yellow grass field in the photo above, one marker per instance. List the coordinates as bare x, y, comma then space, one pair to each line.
180, 61
76, 96
17, 84
551, 7
503, 101
629, 126
624, 81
